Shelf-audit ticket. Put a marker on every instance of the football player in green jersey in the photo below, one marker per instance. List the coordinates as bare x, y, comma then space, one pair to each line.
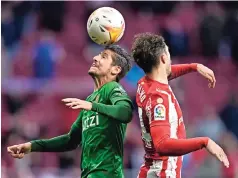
101, 125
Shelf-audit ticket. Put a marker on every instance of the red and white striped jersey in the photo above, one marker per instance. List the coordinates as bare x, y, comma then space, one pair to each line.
158, 105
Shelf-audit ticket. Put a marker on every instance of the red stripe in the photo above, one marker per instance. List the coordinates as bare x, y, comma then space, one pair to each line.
164, 168
143, 171
179, 166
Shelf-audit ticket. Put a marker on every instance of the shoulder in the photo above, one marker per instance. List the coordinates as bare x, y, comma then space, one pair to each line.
153, 90
111, 85
158, 91
142, 80
114, 87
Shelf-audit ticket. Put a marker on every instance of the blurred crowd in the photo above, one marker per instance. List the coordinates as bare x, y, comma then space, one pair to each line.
46, 53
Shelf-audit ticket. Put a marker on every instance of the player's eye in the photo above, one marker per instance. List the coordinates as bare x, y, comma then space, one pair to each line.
103, 56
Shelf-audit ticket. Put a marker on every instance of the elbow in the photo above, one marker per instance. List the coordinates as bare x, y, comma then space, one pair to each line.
128, 116
162, 148
128, 119
124, 115
165, 148
159, 149
74, 146
72, 142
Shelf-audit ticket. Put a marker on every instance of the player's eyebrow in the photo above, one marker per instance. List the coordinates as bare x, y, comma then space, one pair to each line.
105, 54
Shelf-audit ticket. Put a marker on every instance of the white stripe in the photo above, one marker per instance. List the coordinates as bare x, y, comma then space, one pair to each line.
146, 137
173, 120
157, 166
181, 168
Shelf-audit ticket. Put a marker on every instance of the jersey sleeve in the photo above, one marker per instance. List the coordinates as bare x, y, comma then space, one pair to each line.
164, 139
119, 94
181, 69
157, 109
66, 142
120, 107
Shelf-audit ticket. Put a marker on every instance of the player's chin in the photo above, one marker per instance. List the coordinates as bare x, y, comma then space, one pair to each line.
92, 71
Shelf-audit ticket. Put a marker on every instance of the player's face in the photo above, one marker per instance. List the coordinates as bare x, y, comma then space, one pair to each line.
102, 64
168, 61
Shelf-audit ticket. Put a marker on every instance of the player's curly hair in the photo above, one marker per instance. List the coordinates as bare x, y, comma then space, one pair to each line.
121, 58
145, 50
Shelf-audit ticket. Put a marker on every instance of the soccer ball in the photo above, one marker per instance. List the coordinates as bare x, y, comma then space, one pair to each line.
106, 26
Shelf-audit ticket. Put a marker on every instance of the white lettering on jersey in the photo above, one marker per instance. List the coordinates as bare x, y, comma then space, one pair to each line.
90, 122
141, 93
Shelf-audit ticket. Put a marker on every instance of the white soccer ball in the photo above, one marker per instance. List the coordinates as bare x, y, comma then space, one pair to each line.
105, 26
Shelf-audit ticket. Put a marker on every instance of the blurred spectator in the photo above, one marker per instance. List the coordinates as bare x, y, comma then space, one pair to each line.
47, 52
229, 115
14, 102
211, 29
6, 64
230, 35
12, 22
159, 7
230, 146
210, 125
51, 15
176, 38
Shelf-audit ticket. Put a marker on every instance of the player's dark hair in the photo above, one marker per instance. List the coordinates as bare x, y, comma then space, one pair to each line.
121, 58
145, 50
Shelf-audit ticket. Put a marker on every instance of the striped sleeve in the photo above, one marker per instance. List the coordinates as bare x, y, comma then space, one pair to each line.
164, 140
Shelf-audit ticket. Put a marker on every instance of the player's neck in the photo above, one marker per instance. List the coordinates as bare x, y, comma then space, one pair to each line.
159, 75
99, 82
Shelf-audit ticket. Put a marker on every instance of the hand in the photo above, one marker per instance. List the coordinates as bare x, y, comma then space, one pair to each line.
75, 103
19, 151
218, 152
208, 74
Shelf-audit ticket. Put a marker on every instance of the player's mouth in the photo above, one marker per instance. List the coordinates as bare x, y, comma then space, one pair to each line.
94, 65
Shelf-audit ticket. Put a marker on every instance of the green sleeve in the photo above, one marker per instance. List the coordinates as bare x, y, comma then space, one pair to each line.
120, 109
67, 142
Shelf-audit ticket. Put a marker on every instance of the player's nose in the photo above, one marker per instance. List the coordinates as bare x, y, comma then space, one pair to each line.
95, 58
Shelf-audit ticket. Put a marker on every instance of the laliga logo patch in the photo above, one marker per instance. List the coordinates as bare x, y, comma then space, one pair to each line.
159, 112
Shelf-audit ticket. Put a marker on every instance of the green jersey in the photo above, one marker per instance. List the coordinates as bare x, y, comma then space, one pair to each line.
102, 137
100, 132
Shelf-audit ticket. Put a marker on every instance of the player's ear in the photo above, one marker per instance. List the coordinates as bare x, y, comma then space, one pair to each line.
163, 58
115, 70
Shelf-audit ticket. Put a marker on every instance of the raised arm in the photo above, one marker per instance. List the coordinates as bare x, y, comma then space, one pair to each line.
61, 143
181, 69
66, 142
120, 109
166, 143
